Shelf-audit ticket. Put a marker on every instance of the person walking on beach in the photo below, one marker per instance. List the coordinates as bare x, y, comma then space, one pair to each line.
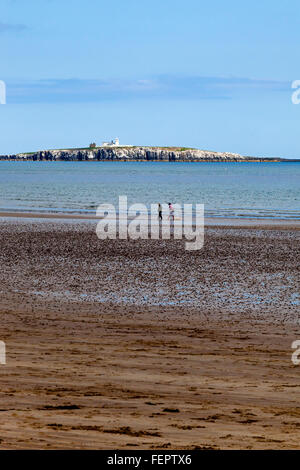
171, 209
159, 211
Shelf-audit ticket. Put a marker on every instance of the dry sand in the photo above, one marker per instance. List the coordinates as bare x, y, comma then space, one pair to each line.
122, 344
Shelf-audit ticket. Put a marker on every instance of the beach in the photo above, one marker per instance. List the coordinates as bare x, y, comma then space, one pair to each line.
149, 230
120, 344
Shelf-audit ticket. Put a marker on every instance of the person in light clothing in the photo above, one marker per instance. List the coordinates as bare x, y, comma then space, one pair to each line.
171, 209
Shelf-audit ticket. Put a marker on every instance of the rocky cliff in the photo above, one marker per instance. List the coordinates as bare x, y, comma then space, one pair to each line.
169, 154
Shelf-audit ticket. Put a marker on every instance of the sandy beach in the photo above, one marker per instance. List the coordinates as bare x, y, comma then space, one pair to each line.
140, 344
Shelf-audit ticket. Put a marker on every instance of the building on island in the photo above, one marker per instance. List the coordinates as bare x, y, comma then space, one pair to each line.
113, 143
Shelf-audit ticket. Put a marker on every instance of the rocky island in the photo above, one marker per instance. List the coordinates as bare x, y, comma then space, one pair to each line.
134, 153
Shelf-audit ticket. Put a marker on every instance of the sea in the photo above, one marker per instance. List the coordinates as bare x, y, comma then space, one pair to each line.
253, 190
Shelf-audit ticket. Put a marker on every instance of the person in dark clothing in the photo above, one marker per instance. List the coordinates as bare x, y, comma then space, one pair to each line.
159, 211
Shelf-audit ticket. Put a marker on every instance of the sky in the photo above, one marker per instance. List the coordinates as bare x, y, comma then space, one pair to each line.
212, 75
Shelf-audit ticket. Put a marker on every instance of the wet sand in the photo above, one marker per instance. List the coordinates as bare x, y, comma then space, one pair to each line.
283, 224
141, 344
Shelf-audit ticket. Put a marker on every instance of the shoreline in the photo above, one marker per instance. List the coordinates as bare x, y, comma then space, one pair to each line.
285, 224
125, 160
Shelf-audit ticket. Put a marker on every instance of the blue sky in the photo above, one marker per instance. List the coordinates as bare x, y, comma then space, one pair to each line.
215, 75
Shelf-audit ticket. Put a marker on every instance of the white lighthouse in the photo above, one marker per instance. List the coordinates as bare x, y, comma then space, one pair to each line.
112, 143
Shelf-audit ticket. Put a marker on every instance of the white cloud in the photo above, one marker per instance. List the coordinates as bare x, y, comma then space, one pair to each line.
160, 87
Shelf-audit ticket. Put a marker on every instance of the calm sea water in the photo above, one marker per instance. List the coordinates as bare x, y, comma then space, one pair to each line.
239, 190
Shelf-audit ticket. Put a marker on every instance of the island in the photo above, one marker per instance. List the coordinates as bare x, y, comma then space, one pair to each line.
113, 151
